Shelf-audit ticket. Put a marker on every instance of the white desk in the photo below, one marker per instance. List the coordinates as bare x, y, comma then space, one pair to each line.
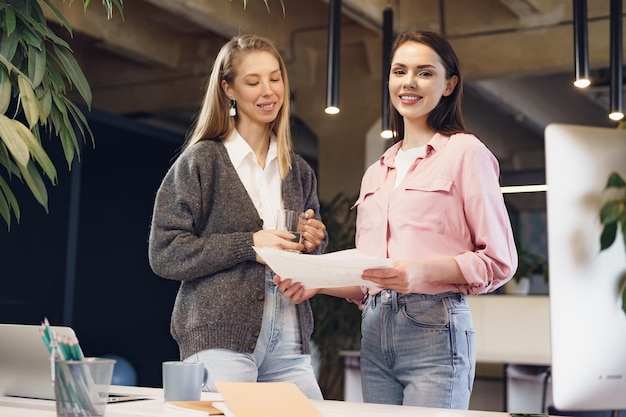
18, 407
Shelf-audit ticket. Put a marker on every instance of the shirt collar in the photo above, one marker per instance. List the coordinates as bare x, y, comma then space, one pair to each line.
238, 149
436, 143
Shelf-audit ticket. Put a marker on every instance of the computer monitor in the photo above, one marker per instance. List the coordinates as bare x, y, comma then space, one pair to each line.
588, 326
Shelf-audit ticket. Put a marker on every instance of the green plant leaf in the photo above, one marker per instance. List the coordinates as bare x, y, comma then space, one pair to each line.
45, 101
609, 232
622, 223
6, 161
4, 210
74, 73
30, 104
65, 130
57, 121
35, 27
9, 197
9, 19
36, 65
8, 46
32, 35
37, 151
615, 181
108, 5
611, 211
59, 16
4, 155
35, 183
37, 13
5, 90
69, 143
50, 35
13, 141
118, 5
56, 83
81, 120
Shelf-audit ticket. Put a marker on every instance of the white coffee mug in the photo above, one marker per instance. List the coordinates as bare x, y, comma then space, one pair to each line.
183, 381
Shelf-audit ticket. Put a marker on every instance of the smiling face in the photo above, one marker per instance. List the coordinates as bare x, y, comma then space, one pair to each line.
258, 88
417, 81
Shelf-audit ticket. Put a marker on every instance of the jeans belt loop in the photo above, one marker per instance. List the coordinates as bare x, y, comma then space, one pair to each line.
374, 299
394, 301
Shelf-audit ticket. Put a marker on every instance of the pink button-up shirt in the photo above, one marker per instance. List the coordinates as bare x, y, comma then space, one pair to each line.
448, 205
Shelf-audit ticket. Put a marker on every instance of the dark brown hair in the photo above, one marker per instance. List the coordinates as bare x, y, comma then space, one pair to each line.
446, 118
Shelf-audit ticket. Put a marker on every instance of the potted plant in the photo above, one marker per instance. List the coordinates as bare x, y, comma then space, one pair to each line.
612, 217
37, 70
529, 264
337, 321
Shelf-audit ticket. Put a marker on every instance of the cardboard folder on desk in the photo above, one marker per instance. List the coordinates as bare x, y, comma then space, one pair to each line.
266, 399
203, 407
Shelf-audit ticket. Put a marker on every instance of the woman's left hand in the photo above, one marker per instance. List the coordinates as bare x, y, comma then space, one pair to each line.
407, 276
312, 231
402, 278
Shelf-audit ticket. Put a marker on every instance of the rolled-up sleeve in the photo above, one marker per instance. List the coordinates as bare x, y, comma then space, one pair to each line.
493, 259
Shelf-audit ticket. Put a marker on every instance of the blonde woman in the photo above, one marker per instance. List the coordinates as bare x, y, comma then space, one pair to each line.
220, 198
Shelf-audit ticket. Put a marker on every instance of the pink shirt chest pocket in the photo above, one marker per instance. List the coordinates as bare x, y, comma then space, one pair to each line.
424, 204
371, 221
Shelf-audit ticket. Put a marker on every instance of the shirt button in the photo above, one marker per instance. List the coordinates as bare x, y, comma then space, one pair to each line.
260, 296
256, 333
260, 222
252, 345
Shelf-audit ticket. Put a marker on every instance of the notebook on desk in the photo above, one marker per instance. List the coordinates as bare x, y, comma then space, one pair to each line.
25, 363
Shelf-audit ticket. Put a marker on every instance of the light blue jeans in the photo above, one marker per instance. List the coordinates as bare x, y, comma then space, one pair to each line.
418, 350
277, 356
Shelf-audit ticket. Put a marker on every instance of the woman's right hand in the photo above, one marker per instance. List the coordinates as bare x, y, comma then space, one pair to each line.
277, 239
294, 291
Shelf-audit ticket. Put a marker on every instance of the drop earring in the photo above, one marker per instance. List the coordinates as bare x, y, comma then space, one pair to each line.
232, 111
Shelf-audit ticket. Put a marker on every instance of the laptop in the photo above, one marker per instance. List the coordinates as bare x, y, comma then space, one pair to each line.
25, 363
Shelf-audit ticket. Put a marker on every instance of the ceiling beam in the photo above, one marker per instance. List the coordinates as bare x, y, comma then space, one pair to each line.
134, 35
521, 8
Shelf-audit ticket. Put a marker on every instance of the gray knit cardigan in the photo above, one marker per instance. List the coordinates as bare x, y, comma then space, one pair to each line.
201, 235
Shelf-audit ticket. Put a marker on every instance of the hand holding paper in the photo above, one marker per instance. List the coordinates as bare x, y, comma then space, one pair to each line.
331, 270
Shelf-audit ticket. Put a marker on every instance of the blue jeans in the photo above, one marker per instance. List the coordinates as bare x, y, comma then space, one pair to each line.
418, 350
277, 356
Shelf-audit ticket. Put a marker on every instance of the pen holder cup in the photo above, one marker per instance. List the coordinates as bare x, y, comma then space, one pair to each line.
82, 387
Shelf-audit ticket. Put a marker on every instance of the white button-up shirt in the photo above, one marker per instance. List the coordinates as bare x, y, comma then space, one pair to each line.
263, 185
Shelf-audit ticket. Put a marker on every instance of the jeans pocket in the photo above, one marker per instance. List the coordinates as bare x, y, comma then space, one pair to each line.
428, 312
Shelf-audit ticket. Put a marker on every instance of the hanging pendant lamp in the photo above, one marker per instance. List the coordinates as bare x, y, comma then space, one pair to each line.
616, 61
581, 45
334, 42
386, 132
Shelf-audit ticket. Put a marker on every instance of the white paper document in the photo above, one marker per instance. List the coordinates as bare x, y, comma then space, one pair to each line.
335, 269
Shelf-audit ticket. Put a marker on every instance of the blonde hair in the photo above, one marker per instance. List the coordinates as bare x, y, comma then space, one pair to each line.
214, 121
